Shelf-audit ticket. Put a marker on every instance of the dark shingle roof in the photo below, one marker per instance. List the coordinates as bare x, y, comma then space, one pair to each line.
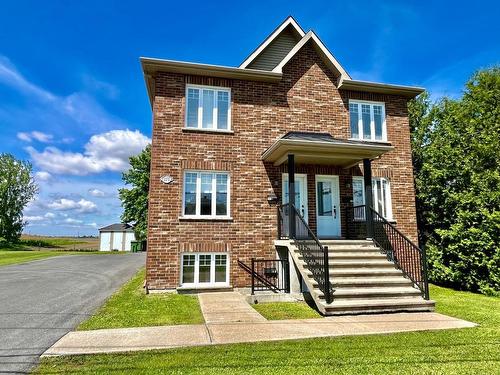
323, 137
117, 228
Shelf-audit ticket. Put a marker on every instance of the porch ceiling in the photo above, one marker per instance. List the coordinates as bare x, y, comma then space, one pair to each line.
322, 148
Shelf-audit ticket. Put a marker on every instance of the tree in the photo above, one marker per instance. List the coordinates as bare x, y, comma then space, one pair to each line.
135, 199
17, 188
457, 149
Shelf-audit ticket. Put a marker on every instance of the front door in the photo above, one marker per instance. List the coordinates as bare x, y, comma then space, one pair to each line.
328, 206
300, 193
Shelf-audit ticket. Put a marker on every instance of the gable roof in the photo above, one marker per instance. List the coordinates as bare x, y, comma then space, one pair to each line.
323, 52
288, 25
118, 227
266, 64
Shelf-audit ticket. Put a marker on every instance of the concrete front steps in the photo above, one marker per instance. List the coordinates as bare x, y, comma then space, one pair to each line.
363, 279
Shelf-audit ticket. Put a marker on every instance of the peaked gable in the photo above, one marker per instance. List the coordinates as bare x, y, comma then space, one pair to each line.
322, 51
283, 43
275, 47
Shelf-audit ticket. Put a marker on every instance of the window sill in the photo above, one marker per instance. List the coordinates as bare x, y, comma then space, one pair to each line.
196, 288
370, 140
205, 218
214, 131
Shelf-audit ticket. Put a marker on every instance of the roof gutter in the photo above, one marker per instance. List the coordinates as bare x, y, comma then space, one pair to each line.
151, 67
381, 88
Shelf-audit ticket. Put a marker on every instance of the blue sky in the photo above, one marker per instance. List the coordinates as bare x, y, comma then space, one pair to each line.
72, 95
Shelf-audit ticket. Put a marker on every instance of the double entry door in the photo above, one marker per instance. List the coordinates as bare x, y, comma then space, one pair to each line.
327, 202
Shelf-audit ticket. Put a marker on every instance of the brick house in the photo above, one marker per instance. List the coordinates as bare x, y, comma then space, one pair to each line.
230, 143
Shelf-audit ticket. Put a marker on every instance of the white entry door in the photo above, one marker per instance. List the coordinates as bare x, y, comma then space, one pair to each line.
300, 193
328, 206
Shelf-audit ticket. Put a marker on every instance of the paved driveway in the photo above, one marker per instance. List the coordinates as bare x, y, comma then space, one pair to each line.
42, 300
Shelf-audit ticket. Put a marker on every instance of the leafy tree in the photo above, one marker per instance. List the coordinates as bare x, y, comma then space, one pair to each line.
135, 199
456, 159
17, 188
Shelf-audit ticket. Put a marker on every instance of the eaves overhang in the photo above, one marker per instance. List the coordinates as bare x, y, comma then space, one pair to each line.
341, 153
381, 88
151, 67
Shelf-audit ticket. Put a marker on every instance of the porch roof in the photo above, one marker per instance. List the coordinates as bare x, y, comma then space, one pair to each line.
322, 148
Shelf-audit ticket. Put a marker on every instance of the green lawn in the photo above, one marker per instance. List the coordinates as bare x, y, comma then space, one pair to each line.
131, 307
463, 351
21, 256
286, 310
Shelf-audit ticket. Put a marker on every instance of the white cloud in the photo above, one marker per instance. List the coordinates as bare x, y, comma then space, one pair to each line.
35, 135
97, 193
108, 151
43, 176
49, 215
33, 218
72, 221
82, 206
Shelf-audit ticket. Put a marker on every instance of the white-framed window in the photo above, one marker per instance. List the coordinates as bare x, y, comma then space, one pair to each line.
208, 108
203, 269
381, 195
367, 120
206, 194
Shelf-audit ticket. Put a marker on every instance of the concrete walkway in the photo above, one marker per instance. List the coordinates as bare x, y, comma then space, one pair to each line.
134, 339
227, 307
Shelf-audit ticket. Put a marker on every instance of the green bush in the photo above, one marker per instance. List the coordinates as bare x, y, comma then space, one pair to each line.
456, 152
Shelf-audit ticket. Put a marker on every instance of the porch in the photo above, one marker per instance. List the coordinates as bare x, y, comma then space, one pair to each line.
348, 256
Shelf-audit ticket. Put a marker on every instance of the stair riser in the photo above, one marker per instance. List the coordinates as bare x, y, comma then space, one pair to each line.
402, 283
370, 296
375, 310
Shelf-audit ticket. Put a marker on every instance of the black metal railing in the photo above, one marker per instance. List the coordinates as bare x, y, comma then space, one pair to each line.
268, 274
314, 254
364, 222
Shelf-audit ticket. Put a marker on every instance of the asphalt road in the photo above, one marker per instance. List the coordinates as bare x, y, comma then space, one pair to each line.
42, 300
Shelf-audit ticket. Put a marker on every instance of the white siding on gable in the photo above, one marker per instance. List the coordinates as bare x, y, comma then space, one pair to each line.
105, 244
117, 241
276, 51
129, 236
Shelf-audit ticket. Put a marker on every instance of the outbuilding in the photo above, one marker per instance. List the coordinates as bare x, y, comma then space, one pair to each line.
116, 237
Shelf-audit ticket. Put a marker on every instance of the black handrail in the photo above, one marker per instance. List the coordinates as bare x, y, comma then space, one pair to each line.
314, 254
407, 256
268, 274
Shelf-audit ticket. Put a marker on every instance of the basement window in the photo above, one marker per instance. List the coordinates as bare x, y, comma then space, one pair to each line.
204, 269
208, 108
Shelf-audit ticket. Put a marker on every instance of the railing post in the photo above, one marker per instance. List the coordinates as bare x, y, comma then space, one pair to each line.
327, 275
424, 270
278, 215
253, 274
291, 194
367, 174
287, 275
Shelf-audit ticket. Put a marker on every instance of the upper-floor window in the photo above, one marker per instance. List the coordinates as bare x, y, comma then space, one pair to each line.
208, 108
367, 120
206, 194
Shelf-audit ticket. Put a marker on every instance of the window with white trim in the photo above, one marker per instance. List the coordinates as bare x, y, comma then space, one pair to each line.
206, 194
381, 195
208, 108
204, 269
367, 120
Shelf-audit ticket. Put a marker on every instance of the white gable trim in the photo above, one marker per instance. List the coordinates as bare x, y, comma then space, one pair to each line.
319, 44
270, 38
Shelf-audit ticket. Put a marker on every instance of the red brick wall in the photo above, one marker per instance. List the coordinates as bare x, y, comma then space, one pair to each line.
306, 99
